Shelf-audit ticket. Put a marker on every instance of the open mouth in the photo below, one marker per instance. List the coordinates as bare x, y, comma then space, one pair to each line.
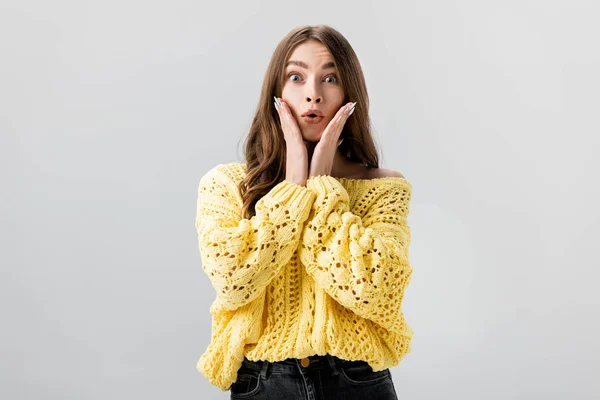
313, 118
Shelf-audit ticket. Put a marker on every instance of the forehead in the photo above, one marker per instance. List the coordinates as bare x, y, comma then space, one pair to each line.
312, 53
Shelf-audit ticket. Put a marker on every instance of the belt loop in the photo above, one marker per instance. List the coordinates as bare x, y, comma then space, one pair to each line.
264, 370
332, 364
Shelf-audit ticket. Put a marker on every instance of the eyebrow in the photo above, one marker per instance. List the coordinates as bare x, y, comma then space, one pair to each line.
329, 64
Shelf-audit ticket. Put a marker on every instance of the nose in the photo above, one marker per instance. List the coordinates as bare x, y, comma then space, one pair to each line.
313, 94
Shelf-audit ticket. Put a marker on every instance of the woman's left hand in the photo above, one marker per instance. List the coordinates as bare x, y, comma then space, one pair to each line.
321, 161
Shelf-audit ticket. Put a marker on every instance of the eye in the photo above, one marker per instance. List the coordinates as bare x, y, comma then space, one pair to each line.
328, 76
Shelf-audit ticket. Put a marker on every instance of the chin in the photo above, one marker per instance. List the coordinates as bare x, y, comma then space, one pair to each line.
312, 137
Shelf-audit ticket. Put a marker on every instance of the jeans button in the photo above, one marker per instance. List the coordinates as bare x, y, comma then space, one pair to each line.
305, 362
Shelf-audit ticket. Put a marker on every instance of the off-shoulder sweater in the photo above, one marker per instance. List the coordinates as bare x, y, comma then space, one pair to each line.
319, 269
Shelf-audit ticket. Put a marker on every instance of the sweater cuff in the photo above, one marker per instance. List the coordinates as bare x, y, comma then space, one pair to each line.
323, 184
294, 197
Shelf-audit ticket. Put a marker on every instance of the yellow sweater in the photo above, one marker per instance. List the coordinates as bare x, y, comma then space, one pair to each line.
319, 269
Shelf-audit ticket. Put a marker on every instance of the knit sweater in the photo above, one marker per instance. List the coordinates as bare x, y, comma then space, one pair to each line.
319, 269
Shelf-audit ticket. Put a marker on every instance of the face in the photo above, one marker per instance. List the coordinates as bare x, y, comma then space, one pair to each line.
308, 85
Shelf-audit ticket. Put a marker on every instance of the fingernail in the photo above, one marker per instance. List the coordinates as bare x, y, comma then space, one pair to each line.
276, 106
351, 111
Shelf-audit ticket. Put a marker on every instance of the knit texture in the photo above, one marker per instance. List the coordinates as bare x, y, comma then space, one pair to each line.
319, 269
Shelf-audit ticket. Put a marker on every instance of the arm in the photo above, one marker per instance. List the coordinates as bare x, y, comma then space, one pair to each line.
241, 256
361, 261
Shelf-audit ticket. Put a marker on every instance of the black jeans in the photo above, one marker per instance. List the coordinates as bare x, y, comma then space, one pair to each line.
326, 377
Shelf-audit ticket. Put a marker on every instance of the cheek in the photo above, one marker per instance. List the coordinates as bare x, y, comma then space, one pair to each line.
339, 97
289, 93
337, 100
292, 98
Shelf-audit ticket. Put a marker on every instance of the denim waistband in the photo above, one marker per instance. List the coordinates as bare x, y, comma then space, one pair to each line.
326, 361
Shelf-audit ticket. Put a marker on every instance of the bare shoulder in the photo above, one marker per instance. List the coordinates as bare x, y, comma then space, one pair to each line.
375, 173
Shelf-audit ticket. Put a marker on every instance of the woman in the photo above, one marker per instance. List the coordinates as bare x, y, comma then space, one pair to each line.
306, 243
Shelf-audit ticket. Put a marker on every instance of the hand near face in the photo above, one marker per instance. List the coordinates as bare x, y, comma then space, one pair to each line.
296, 153
321, 162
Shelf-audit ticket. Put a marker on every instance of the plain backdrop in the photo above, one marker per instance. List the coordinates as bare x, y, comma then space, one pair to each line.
112, 111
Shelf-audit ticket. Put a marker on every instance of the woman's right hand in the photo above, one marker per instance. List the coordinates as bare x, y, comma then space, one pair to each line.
297, 155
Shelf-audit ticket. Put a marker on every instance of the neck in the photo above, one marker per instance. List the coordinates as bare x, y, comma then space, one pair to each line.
341, 165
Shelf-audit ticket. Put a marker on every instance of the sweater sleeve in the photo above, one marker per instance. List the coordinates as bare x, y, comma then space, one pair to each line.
361, 261
239, 255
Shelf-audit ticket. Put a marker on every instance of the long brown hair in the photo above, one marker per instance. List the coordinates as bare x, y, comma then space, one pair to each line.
265, 144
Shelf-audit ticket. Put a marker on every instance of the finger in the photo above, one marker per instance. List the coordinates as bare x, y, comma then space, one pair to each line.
340, 120
279, 110
349, 109
286, 110
337, 124
343, 112
280, 106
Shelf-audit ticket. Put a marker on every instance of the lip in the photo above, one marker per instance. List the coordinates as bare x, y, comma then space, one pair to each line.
313, 111
314, 120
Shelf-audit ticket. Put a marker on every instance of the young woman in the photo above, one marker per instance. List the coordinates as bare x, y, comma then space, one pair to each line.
306, 243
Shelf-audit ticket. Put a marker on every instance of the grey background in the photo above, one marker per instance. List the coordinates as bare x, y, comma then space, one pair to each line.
111, 112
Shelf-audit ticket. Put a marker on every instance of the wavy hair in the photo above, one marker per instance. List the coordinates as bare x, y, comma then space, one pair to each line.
265, 146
